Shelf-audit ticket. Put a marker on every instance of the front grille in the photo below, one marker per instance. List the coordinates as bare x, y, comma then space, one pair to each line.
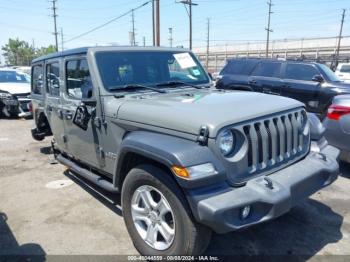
275, 140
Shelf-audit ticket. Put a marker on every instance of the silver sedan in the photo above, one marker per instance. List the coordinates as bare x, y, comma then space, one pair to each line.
337, 124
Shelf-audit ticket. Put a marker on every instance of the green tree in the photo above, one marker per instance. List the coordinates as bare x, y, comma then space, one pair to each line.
20, 53
45, 50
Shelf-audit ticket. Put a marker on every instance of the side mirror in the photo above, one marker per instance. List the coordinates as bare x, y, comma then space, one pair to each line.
317, 78
89, 101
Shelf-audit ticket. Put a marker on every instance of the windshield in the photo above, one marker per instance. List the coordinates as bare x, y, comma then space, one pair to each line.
118, 69
13, 77
345, 69
329, 73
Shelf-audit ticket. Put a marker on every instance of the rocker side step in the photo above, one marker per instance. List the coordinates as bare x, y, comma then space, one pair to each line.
92, 177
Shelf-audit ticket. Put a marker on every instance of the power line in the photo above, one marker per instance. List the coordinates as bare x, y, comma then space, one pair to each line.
107, 23
268, 29
54, 8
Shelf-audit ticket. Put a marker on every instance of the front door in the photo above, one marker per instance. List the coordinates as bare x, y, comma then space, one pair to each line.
298, 84
53, 106
82, 144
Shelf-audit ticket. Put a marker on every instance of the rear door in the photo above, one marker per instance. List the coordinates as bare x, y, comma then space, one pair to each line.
265, 77
37, 84
298, 84
53, 82
83, 144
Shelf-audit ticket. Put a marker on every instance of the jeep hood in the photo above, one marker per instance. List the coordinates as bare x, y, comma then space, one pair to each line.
15, 88
187, 112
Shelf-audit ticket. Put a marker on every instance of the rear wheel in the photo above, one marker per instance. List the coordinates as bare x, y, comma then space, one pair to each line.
157, 217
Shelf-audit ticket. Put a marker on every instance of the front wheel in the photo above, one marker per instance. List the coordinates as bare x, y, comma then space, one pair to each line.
156, 215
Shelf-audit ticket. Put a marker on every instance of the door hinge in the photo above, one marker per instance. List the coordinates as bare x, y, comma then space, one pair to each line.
203, 135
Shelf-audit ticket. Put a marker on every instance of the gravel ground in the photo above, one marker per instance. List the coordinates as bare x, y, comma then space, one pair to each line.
39, 215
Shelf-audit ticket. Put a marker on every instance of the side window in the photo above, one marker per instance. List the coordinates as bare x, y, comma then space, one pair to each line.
239, 67
37, 79
300, 72
267, 69
78, 80
53, 79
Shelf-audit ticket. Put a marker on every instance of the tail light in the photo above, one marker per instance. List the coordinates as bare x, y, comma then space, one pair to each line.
30, 107
335, 112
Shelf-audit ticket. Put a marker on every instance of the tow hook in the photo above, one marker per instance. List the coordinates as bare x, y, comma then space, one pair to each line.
269, 183
203, 135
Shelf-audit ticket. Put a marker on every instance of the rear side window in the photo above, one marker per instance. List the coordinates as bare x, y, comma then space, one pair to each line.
345, 69
37, 79
53, 78
300, 72
268, 69
238, 67
78, 80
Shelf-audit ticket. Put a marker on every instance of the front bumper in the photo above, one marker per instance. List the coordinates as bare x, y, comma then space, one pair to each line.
221, 208
18, 107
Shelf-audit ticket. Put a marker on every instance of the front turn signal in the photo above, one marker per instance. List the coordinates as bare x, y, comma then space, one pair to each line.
181, 172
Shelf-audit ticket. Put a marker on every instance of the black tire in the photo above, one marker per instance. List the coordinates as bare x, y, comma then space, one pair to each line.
190, 237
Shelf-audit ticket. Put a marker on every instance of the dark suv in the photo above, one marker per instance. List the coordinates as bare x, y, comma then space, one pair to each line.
313, 84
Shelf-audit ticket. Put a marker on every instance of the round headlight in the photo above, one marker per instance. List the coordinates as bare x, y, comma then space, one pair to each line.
226, 141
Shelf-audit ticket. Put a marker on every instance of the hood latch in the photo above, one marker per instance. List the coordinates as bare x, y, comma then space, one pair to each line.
203, 135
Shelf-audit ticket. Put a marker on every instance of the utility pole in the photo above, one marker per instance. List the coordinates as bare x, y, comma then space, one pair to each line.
62, 40
170, 37
153, 25
339, 39
268, 29
207, 57
189, 12
54, 8
144, 41
157, 23
133, 41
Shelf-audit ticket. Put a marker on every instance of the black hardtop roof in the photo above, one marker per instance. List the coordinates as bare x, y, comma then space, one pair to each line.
84, 50
75, 51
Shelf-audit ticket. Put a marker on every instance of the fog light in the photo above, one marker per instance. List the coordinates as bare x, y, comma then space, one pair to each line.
245, 212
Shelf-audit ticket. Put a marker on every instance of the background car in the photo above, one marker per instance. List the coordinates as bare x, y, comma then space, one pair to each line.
337, 124
312, 83
14, 93
343, 72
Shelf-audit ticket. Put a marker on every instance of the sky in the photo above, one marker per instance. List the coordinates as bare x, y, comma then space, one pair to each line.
231, 21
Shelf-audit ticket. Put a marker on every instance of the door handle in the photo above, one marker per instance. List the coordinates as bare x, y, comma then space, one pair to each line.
285, 86
252, 82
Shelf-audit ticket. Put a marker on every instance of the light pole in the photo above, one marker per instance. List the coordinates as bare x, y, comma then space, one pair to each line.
189, 3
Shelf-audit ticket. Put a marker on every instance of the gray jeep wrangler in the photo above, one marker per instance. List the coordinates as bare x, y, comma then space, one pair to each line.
187, 158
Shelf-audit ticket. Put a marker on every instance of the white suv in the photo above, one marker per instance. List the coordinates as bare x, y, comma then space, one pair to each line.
343, 72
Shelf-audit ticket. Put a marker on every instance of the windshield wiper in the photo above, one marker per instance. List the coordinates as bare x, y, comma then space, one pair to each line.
177, 83
135, 86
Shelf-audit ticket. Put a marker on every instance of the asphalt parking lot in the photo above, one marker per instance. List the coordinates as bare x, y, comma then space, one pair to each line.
42, 213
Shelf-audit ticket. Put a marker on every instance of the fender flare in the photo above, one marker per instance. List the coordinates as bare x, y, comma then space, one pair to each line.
169, 151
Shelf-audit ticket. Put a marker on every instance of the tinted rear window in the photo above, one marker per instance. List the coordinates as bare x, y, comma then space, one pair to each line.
238, 67
268, 69
345, 69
